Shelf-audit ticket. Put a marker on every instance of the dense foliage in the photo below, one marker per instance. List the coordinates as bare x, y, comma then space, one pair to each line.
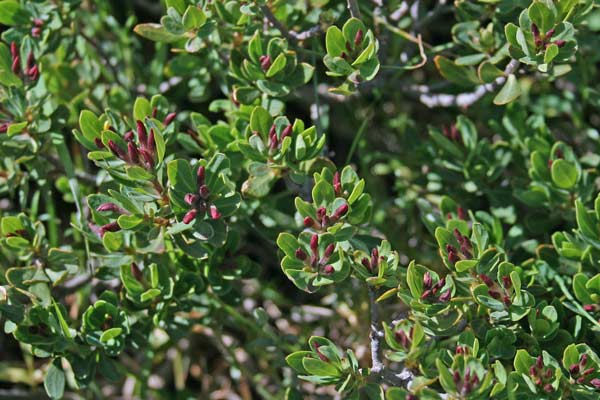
359, 199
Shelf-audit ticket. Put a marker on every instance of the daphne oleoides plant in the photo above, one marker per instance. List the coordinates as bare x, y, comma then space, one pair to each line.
299, 199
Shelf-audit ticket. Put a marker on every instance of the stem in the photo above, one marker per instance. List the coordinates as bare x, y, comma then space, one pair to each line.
375, 335
357, 138
353, 8
51, 211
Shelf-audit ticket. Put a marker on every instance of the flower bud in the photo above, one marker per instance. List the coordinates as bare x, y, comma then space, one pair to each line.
154, 112
273, 141
116, 150
34, 73
574, 369
337, 185
169, 118
142, 135
506, 301
374, 257
36, 31
365, 262
340, 212
148, 160
112, 207
328, 269
99, 143
214, 212
309, 222
314, 243
30, 61
16, 65
265, 62
583, 360
151, 143
189, 216
128, 136
588, 371
506, 281
595, 383
200, 175
456, 377
134, 155
110, 227
549, 34
287, 131
204, 191
4, 127
588, 307
14, 51
494, 294
190, 198
358, 37
329, 250
445, 297
548, 388
532, 371
461, 213
535, 31
560, 42
539, 362
549, 373
452, 254
272, 130
427, 281
301, 254
425, 294
487, 280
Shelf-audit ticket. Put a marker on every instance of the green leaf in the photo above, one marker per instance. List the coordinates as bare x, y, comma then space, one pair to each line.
155, 32
488, 72
458, 74
287, 243
141, 109
277, 65
193, 18
54, 382
90, 125
335, 42
551, 53
110, 334
585, 220
260, 121
509, 92
11, 13
564, 174
320, 368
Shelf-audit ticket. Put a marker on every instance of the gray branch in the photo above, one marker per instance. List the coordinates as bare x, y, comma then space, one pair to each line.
376, 334
291, 35
463, 99
353, 8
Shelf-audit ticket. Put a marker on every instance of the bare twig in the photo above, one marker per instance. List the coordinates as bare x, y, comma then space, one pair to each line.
353, 8
376, 334
291, 35
463, 99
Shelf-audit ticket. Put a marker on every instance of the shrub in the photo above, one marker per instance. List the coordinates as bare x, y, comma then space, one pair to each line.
299, 199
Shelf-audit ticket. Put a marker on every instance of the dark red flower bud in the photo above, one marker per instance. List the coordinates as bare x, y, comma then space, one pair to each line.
539, 362
452, 254
169, 118
595, 383
272, 130
494, 294
464, 248
329, 250
287, 131
151, 143
134, 155
265, 62
309, 222
16, 65
427, 280
116, 150
365, 262
441, 283
109, 207
549, 373
204, 191
135, 271
154, 112
560, 42
128, 136
411, 396
200, 175
14, 52
148, 159
38, 22
574, 369
506, 301
588, 371
322, 357
487, 280
340, 212
550, 161
461, 213
110, 227
273, 141
337, 185
314, 244
588, 307
142, 135
401, 337
358, 37
348, 47
535, 31
328, 269
580, 380
506, 281
99, 143
301, 254
559, 154
344, 55
30, 61
425, 294
321, 212
532, 371
214, 212
189, 216
445, 297
456, 377
4, 127
36, 31
190, 198
583, 360
459, 350
549, 34
548, 388
374, 257
33, 73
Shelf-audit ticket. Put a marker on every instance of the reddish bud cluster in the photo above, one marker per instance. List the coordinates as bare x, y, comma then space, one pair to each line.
265, 62
322, 356
452, 133
200, 202
372, 264
496, 291
324, 220
465, 383
36, 30
316, 261
31, 71
431, 291
581, 374
404, 339
542, 376
542, 41
275, 142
